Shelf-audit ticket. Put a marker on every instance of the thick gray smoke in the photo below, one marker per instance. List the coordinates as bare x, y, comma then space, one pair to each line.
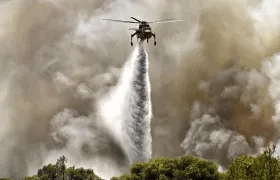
232, 120
224, 97
57, 59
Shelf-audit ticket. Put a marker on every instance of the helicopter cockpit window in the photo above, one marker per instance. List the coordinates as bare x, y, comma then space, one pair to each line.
144, 26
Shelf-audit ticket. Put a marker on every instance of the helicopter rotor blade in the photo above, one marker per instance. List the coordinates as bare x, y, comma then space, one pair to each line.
120, 21
135, 19
166, 21
134, 29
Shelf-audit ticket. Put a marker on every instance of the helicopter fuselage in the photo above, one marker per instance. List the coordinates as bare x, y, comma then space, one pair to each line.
144, 32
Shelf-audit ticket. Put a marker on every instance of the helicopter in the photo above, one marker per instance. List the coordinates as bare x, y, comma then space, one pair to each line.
144, 31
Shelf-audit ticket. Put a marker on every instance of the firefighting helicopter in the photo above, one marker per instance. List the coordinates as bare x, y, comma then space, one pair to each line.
144, 31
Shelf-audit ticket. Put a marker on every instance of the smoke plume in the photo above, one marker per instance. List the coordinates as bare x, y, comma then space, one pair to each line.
235, 117
58, 61
225, 94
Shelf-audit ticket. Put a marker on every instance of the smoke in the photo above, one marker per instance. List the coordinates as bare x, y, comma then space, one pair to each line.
58, 58
226, 100
235, 119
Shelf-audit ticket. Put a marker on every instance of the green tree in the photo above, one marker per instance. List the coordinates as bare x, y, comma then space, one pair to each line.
61, 167
81, 174
32, 178
48, 172
59, 171
261, 167
186, 167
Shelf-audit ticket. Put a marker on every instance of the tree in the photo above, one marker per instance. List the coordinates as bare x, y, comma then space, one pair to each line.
81, 174
61, 167
186, 167
261, 167
48, 172
59, 171
31, 178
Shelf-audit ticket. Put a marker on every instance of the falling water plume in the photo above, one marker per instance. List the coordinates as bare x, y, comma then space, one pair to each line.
132, 106
137, 120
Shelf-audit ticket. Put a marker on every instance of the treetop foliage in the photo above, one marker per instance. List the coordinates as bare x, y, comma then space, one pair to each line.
186, 167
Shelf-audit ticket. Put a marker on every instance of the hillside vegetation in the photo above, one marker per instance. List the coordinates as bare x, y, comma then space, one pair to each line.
262, 167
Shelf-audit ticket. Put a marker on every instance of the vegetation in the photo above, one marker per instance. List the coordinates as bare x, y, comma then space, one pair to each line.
59, 171
186, 167
261, 167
